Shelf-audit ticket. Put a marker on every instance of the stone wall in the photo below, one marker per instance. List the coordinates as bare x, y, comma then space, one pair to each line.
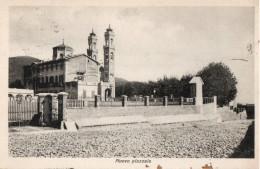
74, 114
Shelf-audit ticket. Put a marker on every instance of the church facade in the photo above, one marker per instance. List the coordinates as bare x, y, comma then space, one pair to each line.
81, 75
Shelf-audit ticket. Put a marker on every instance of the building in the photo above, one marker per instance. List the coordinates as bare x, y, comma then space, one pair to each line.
81, 75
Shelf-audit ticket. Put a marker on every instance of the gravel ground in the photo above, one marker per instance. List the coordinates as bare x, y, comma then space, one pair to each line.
180, 140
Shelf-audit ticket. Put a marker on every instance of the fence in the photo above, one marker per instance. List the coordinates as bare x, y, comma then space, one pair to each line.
76, 103
207, 100
174, 101
136, 102
188, 101
22, 110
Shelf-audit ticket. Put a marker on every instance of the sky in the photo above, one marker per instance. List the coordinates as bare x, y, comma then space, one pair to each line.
150, 42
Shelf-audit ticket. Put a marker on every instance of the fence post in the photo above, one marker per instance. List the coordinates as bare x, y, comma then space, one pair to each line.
97, 100
181, 101
215, 104
194, 101
165, 100
146, 100
124, 101
62, 97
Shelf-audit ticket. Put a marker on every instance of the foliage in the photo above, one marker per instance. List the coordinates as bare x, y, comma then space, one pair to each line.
16, 84
219, 81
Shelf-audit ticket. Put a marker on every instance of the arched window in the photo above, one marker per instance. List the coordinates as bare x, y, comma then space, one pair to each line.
94, 45
111, 42
107, 57
112, 56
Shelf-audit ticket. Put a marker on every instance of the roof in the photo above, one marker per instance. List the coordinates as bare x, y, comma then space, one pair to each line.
196, 80
63, 46
74, 56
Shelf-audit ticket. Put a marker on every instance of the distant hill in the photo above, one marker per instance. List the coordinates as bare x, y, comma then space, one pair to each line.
120, 81
16, 69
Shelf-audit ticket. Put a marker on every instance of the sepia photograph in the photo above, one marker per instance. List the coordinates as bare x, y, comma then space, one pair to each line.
132, 83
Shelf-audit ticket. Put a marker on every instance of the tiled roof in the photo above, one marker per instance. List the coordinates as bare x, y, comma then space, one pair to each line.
70, 57
63, 46
196, 80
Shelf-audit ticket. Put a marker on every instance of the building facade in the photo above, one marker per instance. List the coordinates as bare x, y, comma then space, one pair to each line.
81, 76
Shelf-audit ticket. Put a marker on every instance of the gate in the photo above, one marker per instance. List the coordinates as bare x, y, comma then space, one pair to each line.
21, 110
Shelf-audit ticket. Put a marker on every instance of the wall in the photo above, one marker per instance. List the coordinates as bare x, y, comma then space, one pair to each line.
72, 89
88, 89
208, 108
92, 73
74, 65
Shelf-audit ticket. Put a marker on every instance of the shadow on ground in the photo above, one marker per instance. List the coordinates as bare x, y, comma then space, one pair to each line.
246, 147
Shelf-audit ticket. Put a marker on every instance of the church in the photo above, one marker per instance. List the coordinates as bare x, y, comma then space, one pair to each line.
80, 75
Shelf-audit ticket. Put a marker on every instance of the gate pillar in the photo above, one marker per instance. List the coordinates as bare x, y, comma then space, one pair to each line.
62, 107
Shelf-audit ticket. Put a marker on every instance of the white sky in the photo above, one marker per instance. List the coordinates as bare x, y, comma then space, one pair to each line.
150, 41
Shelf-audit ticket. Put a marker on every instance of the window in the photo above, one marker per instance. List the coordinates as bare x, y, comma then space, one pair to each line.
61, 78
51, 79
112, 56
106, 57
42, 68
56, 66
61, 56
61, 66
51, 66
42, 79
111, 42
47, 67
56, 79
94, 45
47, 79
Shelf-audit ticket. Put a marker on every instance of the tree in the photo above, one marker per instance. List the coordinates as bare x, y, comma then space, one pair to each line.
219, 81
184, 86
16, 84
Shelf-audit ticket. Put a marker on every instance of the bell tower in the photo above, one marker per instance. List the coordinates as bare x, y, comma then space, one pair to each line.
92, 50
109, 52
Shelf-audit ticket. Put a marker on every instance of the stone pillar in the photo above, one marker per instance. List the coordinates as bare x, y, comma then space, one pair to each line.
146, 100
181, 101
165, 100
54, 108
215, 104
62, 97
196, 84
124, 101
97, 100
40, 99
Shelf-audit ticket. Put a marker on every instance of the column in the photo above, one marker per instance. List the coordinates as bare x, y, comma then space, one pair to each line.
215, 104
165, 100
124, 101
97, 100
40, 99
146, 100
62, 97
181, 101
